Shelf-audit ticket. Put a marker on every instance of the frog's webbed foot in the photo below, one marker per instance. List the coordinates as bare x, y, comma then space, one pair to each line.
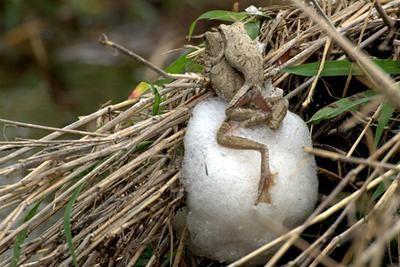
267, 180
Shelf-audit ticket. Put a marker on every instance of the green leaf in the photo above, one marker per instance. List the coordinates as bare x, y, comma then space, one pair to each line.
341, 68
183, 64
218, 15
67, 223
384, 117
22, 235
157, 99
253, 29
345, 104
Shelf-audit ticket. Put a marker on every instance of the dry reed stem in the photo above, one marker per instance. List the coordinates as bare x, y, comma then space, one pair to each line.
336, 156
53, 129
384, 198
320, 69
366, 127
82, 121
381, 81
322, 216
34, 179
318, 215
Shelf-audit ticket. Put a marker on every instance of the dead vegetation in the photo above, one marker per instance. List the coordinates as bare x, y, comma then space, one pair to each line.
118, 186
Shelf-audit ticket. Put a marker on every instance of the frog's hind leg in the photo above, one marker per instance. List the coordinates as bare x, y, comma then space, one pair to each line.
275, 108
248, 117
246, 94
267, 179
241, 97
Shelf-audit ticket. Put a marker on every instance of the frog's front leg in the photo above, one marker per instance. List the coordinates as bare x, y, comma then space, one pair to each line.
267, 178
216, 47
278, 112
274, 107
214, 60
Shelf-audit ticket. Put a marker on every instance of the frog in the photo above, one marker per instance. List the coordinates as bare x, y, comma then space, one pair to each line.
235, 69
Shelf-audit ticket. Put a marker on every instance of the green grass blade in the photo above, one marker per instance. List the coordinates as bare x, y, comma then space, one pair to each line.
157, 100
341, 68
379, 191
22, 236
384, 117
142, 146
382, 187
67, 223
345, 104
218, 15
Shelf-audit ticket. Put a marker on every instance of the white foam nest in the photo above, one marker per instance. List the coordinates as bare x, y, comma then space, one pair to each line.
221, 184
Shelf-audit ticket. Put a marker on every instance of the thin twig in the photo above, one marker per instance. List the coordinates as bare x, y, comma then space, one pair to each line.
105, 41
47, 128
336, 156
386, 19
320, 69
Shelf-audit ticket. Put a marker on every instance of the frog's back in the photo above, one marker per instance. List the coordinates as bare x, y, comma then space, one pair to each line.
242, 53
225, 81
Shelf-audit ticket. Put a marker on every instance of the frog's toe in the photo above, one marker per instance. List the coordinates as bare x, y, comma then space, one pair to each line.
266, 182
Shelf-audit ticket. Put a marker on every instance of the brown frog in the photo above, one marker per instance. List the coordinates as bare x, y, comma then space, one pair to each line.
235, 68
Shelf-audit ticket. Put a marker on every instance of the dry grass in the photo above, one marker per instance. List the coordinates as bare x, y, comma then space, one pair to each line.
130, 187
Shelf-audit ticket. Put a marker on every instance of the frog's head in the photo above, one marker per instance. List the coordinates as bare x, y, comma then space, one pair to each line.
223, 28
213, 40
227, 30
